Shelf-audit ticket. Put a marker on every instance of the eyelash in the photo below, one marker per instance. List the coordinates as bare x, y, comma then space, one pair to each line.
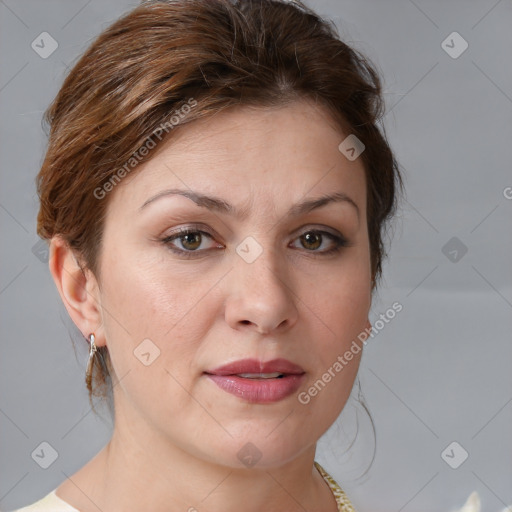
339, 242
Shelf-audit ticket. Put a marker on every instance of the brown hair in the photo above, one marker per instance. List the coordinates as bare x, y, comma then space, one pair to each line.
220, 54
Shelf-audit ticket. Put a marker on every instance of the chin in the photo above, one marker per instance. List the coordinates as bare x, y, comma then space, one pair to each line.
257, 450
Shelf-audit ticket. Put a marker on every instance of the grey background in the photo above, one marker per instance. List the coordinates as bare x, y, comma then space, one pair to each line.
439, 372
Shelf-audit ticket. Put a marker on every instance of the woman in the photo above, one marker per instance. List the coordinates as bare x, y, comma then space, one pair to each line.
215, 192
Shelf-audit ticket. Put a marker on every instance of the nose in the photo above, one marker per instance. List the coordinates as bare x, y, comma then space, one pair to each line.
260, 296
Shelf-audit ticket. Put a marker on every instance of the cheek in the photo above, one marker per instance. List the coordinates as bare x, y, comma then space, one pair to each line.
156, 312
342, 299
150, 295
342, 314
340, 309
343, 318
154, 303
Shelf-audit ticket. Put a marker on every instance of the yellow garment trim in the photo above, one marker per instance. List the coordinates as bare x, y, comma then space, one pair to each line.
341, 498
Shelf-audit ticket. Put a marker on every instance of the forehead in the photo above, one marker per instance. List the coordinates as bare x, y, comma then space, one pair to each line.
250, 152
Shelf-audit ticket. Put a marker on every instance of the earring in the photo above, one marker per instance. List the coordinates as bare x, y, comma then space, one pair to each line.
92, 351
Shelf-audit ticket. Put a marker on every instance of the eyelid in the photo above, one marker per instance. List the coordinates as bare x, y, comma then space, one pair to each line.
189, 228
317, 227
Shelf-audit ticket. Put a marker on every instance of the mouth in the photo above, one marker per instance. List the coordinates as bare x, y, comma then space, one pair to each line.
275, 375
258, 382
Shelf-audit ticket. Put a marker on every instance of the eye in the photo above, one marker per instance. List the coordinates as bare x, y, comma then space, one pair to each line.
313, 239
190, 239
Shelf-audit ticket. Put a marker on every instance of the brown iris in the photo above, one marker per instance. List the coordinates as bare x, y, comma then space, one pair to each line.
311, 237
191, 238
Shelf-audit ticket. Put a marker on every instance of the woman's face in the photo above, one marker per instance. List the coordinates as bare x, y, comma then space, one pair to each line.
258, 277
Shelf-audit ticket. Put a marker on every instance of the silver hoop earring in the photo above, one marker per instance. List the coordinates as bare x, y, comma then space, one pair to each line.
92, 351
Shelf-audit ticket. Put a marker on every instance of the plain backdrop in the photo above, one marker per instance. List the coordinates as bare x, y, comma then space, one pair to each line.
437, 379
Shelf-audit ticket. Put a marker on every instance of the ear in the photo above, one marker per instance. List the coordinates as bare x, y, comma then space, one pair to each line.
78, 289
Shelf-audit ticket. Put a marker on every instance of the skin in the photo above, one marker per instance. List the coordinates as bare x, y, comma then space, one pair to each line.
177, 434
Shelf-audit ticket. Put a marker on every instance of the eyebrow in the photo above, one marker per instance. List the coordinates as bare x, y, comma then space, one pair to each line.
219, 205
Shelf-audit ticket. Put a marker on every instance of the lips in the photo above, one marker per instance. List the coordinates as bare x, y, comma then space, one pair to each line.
258, 382
282, 366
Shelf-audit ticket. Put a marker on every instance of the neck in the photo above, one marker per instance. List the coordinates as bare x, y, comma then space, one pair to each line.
134, 473
141, 468
143, 475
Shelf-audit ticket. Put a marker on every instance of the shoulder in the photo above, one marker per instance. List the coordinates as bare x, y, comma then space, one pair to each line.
49, 503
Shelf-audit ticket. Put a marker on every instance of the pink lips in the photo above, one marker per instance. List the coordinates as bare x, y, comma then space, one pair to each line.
258, 390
